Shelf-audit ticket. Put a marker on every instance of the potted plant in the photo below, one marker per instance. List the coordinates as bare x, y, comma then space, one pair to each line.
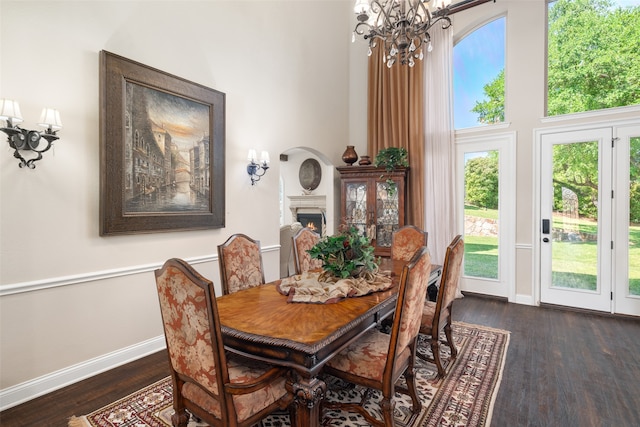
347, 254
391, 158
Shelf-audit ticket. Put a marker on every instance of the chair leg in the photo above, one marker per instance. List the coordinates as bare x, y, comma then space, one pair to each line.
388, 406
435, 349
452, 346
410, 378
180, 418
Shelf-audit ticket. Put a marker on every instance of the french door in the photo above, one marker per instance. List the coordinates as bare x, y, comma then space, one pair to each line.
485, 168
627, 221
587, 180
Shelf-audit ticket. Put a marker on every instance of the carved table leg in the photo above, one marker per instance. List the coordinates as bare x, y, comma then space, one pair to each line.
308, 393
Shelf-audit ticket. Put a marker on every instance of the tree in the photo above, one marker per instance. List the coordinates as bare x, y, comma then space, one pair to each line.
492, 110
593, 56
634, 178
575, 166
481, 181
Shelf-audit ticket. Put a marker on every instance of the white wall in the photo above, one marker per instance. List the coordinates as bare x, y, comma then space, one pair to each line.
69, 297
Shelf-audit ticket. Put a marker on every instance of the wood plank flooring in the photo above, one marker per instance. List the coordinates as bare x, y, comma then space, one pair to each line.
563, 368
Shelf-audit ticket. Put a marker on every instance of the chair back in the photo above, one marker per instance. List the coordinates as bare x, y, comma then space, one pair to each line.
406, 241
412, 292
192, 332
451, 272
304, 240
240, 261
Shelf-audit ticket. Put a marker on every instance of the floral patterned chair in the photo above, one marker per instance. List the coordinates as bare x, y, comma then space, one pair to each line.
240, 261
436, 316
219, 389
304, 240
377, 360
406, 241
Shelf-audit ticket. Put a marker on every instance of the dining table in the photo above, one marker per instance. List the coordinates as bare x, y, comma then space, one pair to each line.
261, 324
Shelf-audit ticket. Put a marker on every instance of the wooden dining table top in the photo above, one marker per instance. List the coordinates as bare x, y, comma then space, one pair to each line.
263, 311
260, 322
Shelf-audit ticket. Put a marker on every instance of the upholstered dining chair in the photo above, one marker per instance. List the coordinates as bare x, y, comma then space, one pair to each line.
240, 261
406, 240
219, 389
436, 316
377, 360
304, 240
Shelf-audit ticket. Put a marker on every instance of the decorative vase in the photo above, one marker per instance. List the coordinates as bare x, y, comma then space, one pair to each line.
364, 160
350, 156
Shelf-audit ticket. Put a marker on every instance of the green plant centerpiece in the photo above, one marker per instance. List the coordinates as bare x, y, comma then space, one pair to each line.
347, 254
391, 158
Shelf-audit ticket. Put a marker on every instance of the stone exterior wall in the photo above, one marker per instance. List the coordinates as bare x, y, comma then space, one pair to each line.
476, 226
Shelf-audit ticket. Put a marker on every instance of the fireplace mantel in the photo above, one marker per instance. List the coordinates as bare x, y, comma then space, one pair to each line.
307, 202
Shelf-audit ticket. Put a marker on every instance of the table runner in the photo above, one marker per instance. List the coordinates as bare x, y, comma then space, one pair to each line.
316, 287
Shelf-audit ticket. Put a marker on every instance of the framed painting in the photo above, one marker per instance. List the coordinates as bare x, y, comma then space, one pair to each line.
162, 148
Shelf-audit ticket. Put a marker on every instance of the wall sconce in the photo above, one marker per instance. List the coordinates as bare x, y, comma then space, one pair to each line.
29, 140
254, 168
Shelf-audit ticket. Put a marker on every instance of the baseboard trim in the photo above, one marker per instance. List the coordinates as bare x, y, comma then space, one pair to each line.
525, 299
37, 387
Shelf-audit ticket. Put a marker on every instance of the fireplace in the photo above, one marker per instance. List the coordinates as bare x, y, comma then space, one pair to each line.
310, 209
314, 221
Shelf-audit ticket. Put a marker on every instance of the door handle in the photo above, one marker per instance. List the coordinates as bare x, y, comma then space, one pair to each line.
546, 226
546, 240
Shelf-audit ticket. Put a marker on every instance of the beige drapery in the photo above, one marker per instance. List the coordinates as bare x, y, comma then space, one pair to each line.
440, 217
395, 116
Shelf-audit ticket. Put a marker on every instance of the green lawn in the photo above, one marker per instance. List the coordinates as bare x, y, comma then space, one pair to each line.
574, 264
481, 256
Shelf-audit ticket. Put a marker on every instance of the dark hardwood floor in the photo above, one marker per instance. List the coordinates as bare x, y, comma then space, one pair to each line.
563, 368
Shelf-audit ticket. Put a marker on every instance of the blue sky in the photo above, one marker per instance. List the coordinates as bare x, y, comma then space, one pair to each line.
477, 60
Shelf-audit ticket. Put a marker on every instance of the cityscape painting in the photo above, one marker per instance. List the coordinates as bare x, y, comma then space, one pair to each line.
161, 151
166, 156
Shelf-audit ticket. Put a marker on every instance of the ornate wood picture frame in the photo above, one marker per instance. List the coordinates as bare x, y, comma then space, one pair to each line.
162, 148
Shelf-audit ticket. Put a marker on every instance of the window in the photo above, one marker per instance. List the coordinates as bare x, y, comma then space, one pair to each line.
592, 55
478, 76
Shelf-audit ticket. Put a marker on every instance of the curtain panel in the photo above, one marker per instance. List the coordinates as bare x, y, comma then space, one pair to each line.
411, 107
395, 117
439, 144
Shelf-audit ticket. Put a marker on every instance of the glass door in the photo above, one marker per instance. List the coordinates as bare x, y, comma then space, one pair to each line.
627, 221
486, 196
576, 194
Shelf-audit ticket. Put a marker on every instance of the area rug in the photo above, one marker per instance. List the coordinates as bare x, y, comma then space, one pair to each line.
463, 398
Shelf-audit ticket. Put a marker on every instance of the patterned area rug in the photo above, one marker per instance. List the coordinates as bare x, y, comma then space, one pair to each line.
463, 398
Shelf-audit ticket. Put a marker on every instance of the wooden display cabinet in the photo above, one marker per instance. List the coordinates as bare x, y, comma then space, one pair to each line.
373, 205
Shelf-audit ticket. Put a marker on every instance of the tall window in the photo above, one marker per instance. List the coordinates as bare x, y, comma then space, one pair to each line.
478, 76
593, 61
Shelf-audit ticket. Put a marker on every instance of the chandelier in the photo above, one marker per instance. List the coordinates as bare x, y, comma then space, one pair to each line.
402, 25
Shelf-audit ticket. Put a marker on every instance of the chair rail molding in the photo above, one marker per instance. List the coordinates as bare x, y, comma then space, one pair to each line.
54, 282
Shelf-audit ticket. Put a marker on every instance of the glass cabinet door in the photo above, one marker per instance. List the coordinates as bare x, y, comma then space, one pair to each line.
356, 205
387, 212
